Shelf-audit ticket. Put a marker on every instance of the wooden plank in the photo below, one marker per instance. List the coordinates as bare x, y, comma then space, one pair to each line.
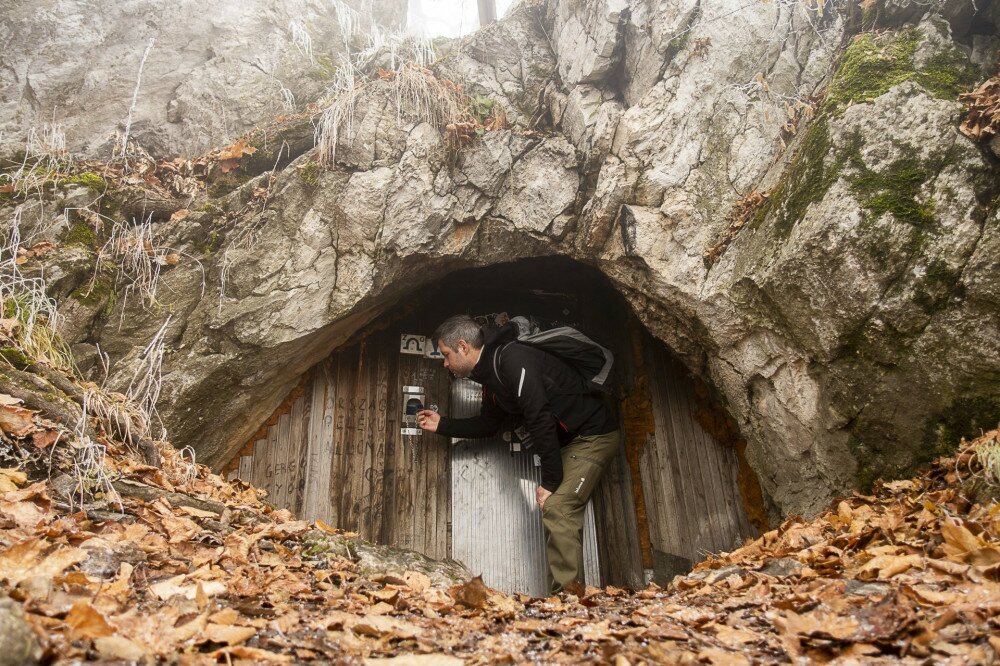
407, 481
708, 463
279, 460
293, 455
316, 496
437, 449
344, 364
662, 532
376, 473
345, 438
271, 452
366, 436
302, 458
246, 468
682, 507
701, 520
690, 459
391, 438
260, 460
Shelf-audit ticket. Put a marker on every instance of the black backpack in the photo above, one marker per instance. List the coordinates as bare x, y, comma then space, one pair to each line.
591, 360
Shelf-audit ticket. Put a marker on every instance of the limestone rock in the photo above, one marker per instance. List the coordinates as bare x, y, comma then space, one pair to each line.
211, 72
18, 645
850, 327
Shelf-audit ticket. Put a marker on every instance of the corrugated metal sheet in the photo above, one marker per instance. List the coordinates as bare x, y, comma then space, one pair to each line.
496, 527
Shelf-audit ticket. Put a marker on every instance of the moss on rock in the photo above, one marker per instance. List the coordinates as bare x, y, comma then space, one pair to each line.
875, 63
81, 233
896, 189
309, 173
807, 179
88, 179
939, 284
15, 357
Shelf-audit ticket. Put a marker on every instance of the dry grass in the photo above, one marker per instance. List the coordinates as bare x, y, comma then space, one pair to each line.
45, 157
415, 93
143, 390
30, 317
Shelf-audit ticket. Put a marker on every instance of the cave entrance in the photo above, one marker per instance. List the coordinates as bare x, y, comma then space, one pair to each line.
334, 449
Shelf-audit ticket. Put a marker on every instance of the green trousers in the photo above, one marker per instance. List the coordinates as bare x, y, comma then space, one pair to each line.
584, 461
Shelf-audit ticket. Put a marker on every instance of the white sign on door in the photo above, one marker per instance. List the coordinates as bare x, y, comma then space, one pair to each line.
412, 344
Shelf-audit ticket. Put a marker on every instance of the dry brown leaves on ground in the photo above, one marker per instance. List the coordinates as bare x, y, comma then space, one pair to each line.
907, 575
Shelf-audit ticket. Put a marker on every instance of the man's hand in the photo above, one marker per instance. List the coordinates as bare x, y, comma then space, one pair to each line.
428, 420
541, 494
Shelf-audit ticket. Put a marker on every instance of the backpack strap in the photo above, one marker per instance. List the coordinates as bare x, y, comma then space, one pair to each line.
496, 361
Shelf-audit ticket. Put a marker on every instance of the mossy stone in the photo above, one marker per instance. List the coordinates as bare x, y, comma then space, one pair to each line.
88, 179
807, 179
965, 418
81, 233
309, 173
896, 189
15, 357
874, 63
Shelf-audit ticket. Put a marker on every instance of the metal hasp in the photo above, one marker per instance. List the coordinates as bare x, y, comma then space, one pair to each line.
496, 525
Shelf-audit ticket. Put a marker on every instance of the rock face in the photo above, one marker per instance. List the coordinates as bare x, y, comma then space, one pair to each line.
850, 323
210, 71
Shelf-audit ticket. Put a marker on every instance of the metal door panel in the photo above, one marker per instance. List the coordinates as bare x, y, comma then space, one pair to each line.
496, 527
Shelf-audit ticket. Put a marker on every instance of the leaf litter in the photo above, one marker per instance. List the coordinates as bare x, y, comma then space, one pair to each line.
910, 574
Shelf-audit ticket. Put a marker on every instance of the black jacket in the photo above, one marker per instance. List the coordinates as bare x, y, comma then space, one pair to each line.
550, 396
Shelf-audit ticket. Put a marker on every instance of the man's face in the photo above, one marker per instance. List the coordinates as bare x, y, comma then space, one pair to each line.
460, 360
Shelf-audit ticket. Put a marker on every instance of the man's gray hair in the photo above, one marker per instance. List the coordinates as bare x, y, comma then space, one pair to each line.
460, 327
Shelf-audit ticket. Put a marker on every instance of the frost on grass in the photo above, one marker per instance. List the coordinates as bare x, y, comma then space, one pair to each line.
29, 316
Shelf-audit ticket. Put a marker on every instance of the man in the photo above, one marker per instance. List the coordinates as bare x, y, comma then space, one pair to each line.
572, 431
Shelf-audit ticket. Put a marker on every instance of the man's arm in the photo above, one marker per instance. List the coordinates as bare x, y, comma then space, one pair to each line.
523, 375
486, 424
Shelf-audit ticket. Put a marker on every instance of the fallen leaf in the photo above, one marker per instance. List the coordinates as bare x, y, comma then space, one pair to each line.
22, 560
45, 438
179, 214
174, 586
11, 479
228, 633
257, 655
416, 581
16, 421
197, 513
473, 593
381, 625
4, 398
323, 526
415, 660
819, 623
119, 647
884, 567
85, 622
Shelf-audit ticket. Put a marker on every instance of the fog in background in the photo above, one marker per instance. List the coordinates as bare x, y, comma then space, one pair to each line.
447, 18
